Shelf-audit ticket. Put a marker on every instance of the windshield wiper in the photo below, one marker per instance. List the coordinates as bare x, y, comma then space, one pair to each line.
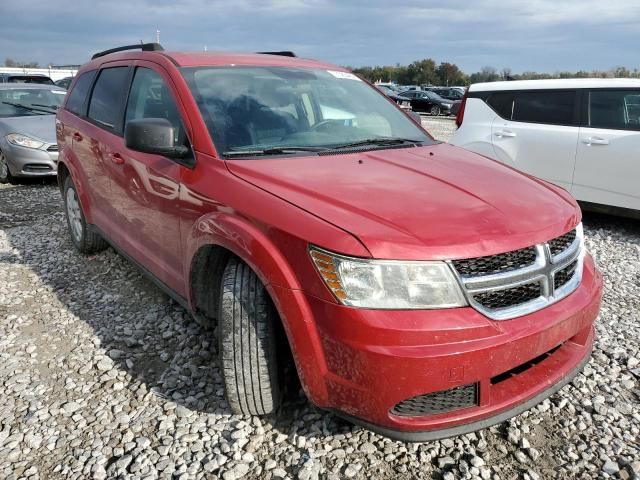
31, 109
52, 107
273, 151
380, 141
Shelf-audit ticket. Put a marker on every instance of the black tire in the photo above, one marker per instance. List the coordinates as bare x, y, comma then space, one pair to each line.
84, 239
247, 332
5, 174
434, 110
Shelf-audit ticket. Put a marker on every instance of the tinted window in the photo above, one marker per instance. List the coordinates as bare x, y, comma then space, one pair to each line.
555, 108
502, 103
619, 110
151, 98
108, 94
75, 102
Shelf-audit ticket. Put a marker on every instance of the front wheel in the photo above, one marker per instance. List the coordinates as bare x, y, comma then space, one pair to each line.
435, 110
248, 342
5, 174
84, 239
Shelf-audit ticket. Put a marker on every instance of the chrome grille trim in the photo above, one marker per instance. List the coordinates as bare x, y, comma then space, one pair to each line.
542, 271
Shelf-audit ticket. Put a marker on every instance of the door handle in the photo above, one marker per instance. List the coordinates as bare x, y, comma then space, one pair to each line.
117, 159
77, 137
505, 133
595, 141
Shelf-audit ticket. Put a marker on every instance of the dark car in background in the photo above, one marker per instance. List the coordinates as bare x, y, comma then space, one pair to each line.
428, 102
13, 78
393, 95
64, 82
450, 93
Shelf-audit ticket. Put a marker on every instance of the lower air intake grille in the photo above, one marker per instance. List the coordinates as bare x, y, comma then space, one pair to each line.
438, 402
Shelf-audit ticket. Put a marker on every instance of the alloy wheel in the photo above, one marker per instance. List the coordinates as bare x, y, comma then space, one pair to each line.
74, 214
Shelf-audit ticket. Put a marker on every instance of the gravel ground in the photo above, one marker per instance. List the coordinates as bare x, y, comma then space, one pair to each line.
103, 376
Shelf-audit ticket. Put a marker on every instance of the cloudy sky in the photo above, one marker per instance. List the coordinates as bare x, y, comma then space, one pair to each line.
540, 35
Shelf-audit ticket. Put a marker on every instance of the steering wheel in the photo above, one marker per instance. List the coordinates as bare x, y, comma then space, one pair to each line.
324, 123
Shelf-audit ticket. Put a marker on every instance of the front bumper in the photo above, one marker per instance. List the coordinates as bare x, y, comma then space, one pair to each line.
31, 162
377, 359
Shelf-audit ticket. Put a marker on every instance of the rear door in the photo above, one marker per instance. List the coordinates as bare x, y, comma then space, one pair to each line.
608, 161
99, 139
537, 132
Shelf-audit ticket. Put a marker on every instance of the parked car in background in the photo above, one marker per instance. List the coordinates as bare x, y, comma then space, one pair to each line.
28, 145
64, 82
449, 93
428, 102
291, 204
14, 78
392, 94
581, 134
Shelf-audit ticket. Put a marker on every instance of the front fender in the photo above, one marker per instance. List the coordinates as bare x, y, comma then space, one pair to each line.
256, 249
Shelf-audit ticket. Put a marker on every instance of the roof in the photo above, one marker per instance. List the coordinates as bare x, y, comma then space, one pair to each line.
22, 86
556, 84
200, 59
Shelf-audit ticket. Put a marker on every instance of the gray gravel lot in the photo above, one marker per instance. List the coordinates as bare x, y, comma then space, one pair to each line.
103, 376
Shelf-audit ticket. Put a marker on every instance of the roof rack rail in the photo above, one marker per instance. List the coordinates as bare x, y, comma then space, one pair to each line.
145, 47
283, 53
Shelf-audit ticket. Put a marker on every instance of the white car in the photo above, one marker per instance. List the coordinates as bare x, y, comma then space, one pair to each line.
581, 134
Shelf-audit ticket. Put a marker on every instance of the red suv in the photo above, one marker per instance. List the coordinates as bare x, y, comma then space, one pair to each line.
421, 290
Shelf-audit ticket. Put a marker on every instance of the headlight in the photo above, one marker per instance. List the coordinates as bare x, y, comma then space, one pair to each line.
24, 141
446, 105
388, 284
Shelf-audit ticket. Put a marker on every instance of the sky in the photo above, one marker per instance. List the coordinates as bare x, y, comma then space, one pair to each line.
530, 35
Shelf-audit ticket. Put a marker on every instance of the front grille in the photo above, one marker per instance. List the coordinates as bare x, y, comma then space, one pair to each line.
36, 167
503, 262
510, 296
515, 283
438, 402
52, 148
561, 277
560, 244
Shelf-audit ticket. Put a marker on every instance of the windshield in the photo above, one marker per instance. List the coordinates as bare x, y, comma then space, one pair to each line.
21, 102
260, 108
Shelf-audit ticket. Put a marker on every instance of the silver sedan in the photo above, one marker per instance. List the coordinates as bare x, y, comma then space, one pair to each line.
28, 145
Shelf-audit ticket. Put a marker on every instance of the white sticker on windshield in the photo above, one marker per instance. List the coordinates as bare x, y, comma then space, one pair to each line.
58, 92
346, 75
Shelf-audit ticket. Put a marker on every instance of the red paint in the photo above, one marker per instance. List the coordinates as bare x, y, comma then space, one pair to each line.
437, 202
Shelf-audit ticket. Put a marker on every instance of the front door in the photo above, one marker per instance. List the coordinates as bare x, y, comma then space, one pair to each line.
537, 133
147, 185
608, 160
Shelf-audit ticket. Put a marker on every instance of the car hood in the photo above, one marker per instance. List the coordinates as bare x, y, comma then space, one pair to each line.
434, 202
41, 127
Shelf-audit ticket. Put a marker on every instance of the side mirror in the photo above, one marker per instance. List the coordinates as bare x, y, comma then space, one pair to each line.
153, 135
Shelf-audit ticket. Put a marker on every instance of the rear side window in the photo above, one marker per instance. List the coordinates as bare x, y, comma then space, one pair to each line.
108, 94
542, 106
502, 103
617, 110
77, 97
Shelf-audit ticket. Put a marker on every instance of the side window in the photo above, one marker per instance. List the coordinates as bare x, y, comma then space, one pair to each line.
617, 110
502, 104
77, 97
543, 106
108, 96
151, 98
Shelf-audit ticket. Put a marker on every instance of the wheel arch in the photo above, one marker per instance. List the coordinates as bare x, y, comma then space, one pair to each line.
210, 243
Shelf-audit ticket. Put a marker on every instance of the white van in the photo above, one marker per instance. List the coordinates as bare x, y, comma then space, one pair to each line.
581, 134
